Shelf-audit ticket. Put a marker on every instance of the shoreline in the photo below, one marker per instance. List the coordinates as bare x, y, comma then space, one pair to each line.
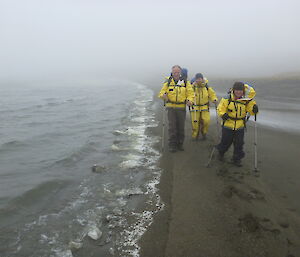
160, 225
225, 210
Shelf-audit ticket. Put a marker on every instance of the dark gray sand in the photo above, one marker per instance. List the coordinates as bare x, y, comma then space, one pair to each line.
226, 211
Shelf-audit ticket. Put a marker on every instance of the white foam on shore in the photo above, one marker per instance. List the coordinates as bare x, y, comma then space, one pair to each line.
130, 236
128, 192
129, 164
142, 144
131, 161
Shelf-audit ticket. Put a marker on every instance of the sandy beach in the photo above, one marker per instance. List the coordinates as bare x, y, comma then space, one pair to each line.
226, 211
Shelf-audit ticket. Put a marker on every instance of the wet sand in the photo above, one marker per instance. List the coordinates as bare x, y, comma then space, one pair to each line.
226, 211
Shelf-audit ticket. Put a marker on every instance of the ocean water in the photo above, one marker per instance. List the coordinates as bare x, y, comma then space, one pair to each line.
50, 137
280, 113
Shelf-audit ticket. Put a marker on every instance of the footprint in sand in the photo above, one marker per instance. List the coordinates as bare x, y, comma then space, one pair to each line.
223, 171
249, 195
249, 223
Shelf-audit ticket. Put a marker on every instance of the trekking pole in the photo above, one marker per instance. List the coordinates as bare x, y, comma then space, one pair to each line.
195, 116
217, 119
211, 156
191, 116
255, 144
219, 136
200, 125
163, 128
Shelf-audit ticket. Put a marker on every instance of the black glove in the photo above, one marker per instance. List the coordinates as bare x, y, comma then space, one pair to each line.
255, 109
225, 116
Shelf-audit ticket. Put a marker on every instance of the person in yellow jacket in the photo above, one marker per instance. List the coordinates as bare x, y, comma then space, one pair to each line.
233, 110
176, 92
200, 115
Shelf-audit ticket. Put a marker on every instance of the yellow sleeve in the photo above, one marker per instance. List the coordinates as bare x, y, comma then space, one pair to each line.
250, 91
190, 94
212, 94
222, 107
163, 90
249, 107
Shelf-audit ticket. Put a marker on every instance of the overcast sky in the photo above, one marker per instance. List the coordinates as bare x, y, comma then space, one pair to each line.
57, 38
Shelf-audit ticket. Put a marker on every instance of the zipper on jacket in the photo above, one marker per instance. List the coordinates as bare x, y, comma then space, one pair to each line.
176, 93
236, 114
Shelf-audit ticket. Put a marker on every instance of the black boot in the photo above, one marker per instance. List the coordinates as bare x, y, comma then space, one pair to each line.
237, 163
172, 149
220, 156
180, 147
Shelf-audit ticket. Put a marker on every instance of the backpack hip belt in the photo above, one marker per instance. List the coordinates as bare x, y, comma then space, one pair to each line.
201, 104
176, 102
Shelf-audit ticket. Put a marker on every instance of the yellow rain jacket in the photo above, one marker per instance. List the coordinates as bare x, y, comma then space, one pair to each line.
178, 93
236, 110
203, 94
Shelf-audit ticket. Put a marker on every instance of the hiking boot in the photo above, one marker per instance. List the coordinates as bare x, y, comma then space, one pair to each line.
220, 157
237, 163
180, 147
172, 149
203, 137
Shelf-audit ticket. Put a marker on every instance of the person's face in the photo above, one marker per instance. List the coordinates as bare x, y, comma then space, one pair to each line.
199, 81
238, 93
176, 73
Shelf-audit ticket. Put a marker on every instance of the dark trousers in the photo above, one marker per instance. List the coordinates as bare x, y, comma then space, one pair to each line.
232, 136
176, 117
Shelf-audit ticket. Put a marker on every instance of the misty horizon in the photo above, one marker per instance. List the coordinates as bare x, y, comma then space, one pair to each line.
90, 39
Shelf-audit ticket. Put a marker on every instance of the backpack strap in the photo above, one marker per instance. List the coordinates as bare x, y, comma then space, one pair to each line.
229, 101
170, 79
235, 119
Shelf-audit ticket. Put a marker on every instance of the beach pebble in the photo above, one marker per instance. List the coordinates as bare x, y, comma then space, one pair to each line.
95, 233
75, 245
98, 168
